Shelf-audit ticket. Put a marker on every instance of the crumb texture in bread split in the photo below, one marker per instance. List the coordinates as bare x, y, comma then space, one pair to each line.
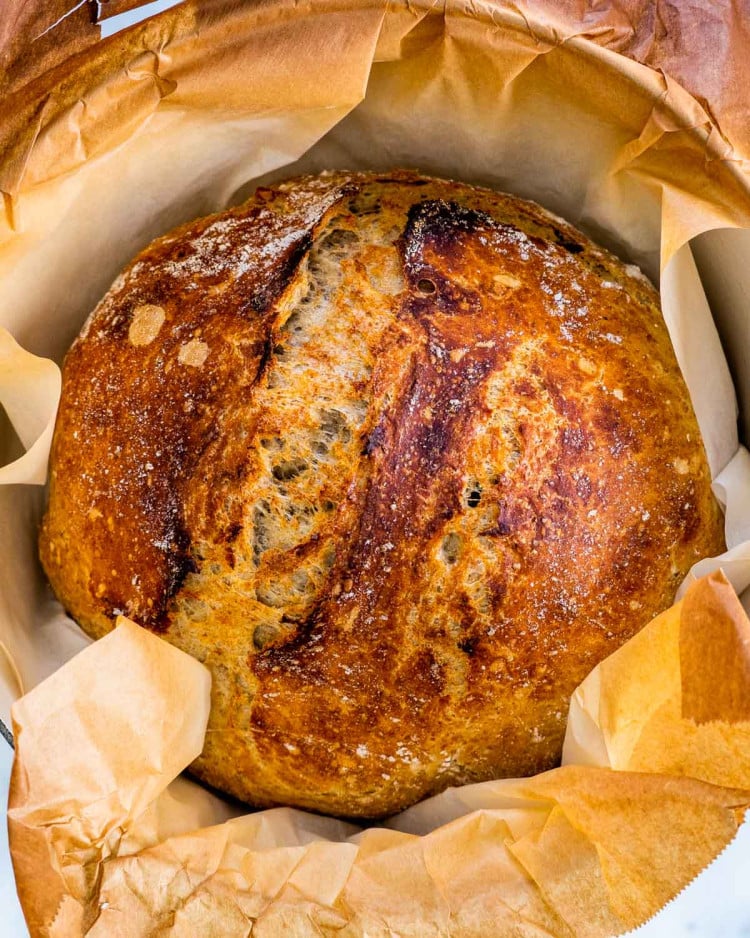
399, 459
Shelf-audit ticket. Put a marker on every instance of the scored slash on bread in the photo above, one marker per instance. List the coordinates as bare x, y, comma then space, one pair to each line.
399, 459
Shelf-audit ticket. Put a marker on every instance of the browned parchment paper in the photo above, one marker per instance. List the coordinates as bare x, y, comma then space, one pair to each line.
691, 704
100, 849
180, 117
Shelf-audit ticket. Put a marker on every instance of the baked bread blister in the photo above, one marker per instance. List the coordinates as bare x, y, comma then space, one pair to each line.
398, 459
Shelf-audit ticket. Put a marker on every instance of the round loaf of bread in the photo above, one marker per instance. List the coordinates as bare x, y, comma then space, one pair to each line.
399, 459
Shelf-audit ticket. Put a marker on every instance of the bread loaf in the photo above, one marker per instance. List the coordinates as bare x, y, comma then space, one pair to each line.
399, 459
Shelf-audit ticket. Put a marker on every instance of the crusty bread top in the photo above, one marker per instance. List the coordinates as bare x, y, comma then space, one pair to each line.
399, 459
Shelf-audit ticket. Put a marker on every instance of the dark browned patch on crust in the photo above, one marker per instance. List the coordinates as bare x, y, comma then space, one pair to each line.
572, 247
265, 294
435, 226
468, 645
232, 532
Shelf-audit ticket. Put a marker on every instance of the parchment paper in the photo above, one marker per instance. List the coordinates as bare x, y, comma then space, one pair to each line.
186, 114
103, 847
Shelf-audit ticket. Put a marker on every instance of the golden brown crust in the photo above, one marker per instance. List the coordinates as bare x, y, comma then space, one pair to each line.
399, 459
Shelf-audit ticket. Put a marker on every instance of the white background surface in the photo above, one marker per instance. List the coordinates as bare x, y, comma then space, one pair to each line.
11, 920
716, 905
